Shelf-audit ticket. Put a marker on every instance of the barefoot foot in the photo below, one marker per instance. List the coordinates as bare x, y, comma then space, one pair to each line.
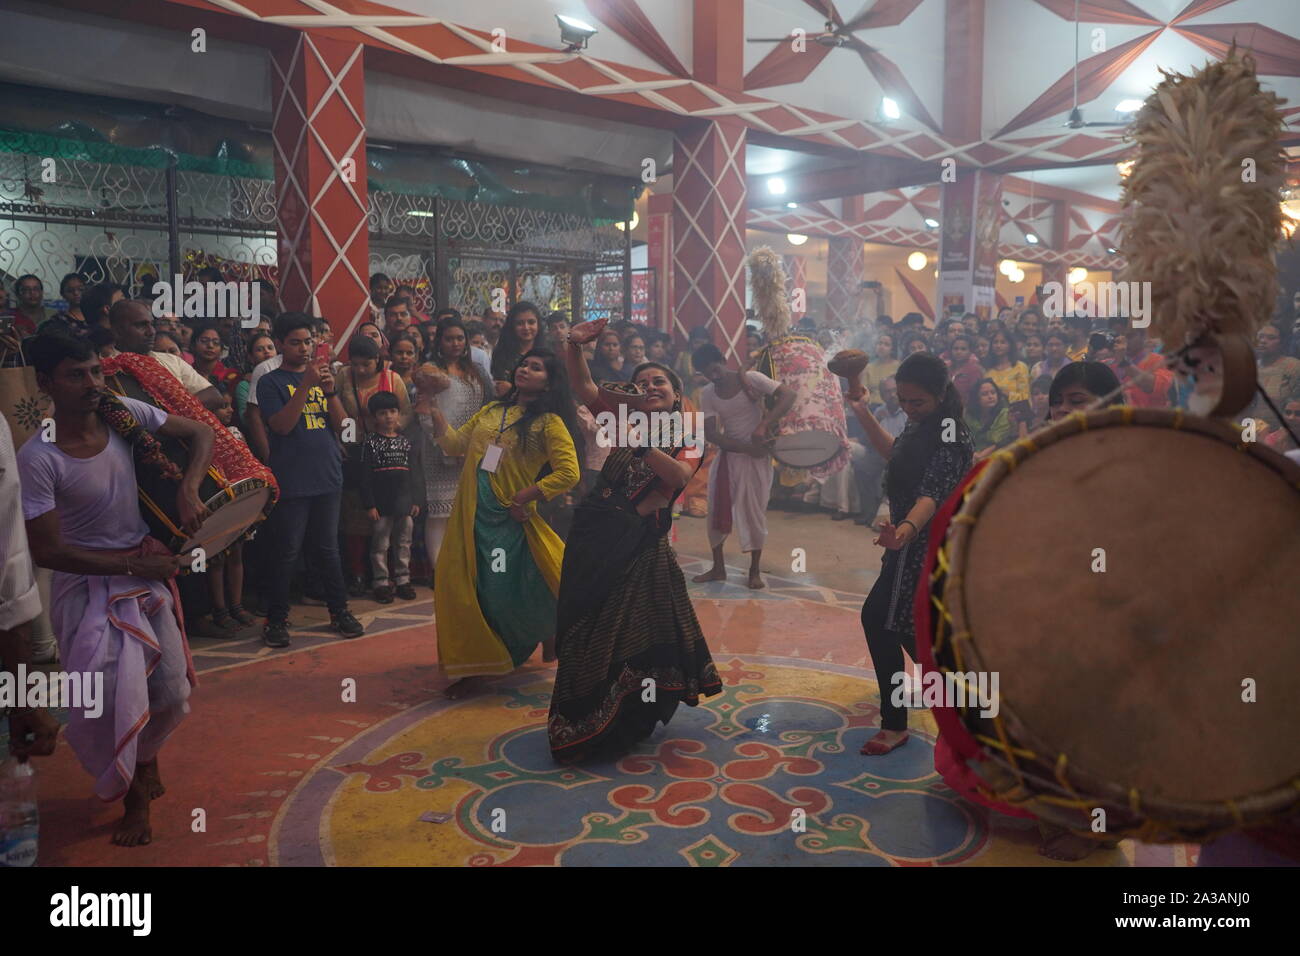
134, 829
713, 574
151, 778
883, 742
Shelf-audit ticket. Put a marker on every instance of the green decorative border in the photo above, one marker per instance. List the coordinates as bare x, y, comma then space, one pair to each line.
482, 184
158, 157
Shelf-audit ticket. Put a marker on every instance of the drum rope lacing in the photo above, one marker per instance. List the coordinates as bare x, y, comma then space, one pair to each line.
1003, 752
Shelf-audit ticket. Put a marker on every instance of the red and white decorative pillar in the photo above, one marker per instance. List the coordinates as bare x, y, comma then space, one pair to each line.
319, 132
709, 234
844, 265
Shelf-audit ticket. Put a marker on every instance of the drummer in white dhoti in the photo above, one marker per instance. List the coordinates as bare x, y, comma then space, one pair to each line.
737, 421
115, 607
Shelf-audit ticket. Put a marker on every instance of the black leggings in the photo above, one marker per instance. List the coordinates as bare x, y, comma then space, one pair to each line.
886, 648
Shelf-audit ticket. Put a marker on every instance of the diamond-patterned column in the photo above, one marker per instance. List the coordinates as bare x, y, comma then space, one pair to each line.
709, 233
1057, 272
844, 265
319, 132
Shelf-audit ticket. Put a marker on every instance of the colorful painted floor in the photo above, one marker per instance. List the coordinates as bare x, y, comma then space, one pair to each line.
273, 767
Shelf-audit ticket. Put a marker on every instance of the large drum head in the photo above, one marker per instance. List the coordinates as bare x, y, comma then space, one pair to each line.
1137, 674
806, 449
230, 518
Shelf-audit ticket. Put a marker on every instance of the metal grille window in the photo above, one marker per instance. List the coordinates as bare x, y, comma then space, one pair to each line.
127, 223
472, 255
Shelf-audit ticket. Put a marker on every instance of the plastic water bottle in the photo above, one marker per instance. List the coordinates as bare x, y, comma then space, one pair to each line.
19, 820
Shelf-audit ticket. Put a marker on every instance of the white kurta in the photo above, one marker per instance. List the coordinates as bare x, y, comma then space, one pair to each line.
20, 600
749, 478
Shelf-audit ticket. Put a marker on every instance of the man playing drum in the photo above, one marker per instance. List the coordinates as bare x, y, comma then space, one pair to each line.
741, 479
114, 607
133, 331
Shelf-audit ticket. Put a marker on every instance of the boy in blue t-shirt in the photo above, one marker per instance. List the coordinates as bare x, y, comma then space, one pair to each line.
302, 413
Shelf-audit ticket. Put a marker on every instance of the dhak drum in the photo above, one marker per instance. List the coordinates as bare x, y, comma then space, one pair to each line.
799, 364
806, 449
1164, 689
234, 490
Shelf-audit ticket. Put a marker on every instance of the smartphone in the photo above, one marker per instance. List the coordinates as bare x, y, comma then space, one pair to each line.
1020, 301
322, 354
1021, 411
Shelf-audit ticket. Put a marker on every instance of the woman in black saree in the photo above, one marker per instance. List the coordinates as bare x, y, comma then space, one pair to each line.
629, 644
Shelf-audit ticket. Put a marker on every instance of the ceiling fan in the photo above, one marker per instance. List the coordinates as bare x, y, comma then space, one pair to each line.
833, 36
1075, 120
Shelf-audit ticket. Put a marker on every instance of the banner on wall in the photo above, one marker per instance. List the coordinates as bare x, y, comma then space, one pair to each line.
971, 211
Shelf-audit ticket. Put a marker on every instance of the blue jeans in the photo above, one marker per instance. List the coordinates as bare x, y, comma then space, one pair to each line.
315, 519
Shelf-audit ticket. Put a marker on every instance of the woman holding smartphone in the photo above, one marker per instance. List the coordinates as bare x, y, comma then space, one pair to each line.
624, 620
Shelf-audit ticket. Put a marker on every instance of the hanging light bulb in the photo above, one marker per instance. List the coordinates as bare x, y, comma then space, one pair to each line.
1006, 267
1017, 275
917, 261
1077, 275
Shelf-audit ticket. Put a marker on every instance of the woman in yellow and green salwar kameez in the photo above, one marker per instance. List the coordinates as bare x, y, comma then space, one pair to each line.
499, 568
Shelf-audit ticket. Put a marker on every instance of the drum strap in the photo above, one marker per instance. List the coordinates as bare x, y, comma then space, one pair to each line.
144, 447
230, 456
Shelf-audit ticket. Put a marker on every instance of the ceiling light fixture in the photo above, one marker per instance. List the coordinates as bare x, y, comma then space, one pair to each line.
889, 109
630, 224
1128, 106
932, 223
574, 33
917, 261
795, 239
776, 186
1031, 238
1077, 275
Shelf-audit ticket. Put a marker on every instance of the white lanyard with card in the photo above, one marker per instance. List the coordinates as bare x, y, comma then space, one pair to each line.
492, 454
